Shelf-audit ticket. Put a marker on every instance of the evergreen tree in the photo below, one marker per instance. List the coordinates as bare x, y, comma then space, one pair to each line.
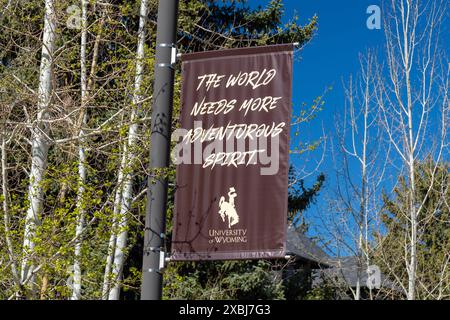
247, 279
96, 97
433, 250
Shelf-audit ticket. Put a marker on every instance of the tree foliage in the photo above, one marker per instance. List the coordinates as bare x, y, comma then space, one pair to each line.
248, 279
433, 252
112, 33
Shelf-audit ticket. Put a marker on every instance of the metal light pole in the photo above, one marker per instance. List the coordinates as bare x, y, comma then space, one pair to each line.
155, 213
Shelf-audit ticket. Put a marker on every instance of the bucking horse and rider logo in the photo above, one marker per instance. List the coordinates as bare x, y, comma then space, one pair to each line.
228, 209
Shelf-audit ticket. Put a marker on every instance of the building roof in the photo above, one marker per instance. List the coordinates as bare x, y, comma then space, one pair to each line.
303, 248
345, 270
342, 269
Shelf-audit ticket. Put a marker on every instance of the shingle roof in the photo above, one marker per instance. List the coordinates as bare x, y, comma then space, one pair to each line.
341, 269
345, 269
304, 248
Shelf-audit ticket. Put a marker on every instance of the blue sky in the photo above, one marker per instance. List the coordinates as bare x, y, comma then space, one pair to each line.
328, 61
330, 58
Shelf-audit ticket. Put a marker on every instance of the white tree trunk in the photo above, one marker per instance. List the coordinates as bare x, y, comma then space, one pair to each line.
39, 141
406, 99
127, 158
408, 46
113, 236
76, 293
6, 216
363, 148
363, 253
412, 202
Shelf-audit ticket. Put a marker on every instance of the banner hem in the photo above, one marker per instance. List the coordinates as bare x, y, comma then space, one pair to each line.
248, 255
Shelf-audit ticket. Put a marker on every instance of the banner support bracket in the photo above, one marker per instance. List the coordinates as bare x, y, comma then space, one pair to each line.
173, 55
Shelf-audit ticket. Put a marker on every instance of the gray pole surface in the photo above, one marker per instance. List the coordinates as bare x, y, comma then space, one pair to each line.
155, 213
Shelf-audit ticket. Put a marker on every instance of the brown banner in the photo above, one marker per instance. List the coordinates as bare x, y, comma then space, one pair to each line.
232, 154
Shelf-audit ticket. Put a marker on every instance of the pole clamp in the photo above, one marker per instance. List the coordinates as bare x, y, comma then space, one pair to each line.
154, 270
162, 258
173, 55
167, 45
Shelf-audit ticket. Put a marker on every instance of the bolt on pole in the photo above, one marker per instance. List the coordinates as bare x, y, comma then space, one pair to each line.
155, 213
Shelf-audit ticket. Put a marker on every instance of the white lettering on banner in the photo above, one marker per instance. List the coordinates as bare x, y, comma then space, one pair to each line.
240, 131
254, 79
213, 154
